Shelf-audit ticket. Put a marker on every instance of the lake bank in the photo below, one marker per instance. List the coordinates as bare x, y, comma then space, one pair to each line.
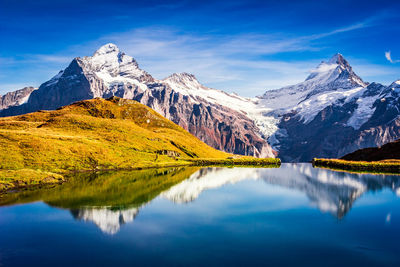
386, 166
176, 216
24, 178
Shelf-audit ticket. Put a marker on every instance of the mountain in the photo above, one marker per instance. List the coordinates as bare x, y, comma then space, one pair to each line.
388, 151
180, 98
15, 98
330, 114
333, 112
97, 134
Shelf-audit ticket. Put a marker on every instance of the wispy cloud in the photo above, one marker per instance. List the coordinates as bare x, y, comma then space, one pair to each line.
388, 56
243, 63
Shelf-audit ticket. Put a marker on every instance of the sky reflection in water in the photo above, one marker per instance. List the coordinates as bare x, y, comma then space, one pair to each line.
292, 215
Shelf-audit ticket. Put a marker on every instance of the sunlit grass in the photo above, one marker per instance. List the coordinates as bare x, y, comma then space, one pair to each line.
101, 134
384, 166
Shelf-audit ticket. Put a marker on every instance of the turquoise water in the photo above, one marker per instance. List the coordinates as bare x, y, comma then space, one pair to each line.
294, 215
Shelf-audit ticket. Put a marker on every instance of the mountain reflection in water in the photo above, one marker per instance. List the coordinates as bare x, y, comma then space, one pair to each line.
110, 200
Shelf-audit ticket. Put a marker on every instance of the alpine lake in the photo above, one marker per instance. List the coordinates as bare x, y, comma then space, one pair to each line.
295, 215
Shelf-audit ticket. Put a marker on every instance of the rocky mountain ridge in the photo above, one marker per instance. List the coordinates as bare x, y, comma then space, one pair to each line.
110, 72
333, 112
16, 98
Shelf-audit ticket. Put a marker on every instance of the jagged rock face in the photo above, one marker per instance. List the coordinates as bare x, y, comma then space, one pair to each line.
333, 113
180, 98
216, 125
15, 98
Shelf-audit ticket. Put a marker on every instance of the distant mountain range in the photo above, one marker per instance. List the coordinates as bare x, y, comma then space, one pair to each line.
333, 112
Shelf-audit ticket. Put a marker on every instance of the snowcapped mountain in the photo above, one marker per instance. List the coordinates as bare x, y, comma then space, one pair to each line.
180, 98
333, 112
15, 98
327, 83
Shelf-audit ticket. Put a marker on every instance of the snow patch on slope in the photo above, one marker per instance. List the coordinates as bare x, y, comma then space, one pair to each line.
110, 81
363, 112
188, 85
309, 108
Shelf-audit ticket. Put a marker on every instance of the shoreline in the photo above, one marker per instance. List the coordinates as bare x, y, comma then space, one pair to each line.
39, 178
373, 167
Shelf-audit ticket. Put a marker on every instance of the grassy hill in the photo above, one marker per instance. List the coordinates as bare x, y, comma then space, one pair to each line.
389, 151
385, 159
98, 134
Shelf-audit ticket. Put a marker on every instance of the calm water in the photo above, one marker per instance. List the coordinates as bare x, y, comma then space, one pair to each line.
294, 215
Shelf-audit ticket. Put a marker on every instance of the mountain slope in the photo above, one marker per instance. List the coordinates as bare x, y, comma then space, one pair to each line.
388, 151
110, 72
15, 98
331, 113
98, 133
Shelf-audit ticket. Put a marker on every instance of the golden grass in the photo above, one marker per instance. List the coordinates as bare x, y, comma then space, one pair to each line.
11, 179
385, 166
100, 134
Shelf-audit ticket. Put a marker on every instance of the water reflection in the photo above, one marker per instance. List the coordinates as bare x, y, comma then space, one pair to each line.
109, 221
208, 178
110, 200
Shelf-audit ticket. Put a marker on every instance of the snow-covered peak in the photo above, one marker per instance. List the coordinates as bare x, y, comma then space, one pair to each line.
324, 71
331, 82
392, 90
184, 79
396, 83
107, 49
333, 75
337, 71
394, 87
115, 68
109, 58
338, 59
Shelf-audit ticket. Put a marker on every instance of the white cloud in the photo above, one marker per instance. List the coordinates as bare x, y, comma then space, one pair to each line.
241, 63
238, 63
388, 56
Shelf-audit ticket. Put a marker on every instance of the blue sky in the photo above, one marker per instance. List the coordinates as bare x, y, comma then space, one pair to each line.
238, 46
